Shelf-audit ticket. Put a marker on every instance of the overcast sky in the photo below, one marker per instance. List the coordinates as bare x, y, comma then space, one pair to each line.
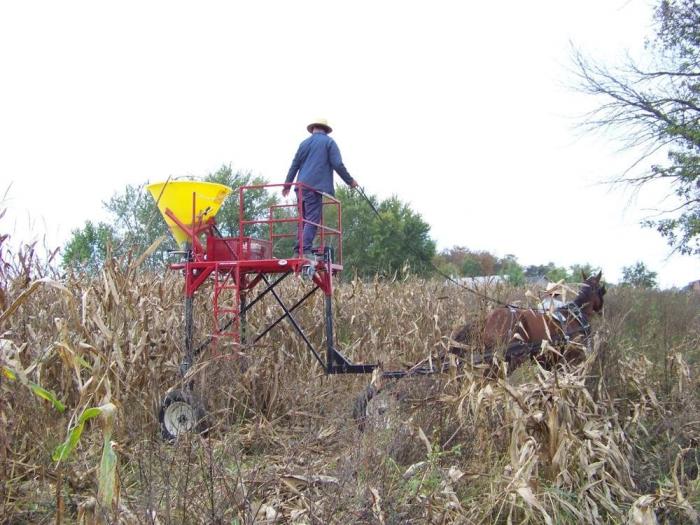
462, 109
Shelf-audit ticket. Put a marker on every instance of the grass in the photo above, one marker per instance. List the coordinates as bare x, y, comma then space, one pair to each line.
584, 445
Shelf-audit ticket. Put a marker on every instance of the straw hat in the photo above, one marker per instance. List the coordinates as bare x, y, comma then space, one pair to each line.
319, 123
554, 288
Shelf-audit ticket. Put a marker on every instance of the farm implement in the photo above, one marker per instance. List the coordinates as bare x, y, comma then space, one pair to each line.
241, 271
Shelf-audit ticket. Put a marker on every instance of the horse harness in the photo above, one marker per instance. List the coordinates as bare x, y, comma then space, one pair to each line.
580, 317
568, 311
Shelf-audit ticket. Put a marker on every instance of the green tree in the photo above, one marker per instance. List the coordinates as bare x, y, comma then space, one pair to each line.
656, 106
471, 267
549, 271
556, 274
88, 246
537, 271
512, 271
256, 202
396, 240
638, 276
579, 270
135, 222
447, 268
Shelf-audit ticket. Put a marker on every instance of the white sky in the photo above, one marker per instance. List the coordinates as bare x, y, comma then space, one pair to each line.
461, 109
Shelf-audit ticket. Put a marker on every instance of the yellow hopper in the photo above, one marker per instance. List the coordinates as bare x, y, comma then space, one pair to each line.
177, 196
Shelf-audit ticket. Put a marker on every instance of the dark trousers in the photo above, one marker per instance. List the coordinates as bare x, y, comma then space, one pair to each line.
311, 208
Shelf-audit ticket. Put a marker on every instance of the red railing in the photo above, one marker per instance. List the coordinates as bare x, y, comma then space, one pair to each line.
282, 219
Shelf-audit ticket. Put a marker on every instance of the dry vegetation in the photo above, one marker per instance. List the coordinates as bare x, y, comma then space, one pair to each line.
612, 440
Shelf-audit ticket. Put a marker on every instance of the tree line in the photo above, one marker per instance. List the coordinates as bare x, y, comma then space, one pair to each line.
392, 244
462, 262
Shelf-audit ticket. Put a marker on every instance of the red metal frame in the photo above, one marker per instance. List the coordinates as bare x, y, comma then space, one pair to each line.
237, 264
325, 232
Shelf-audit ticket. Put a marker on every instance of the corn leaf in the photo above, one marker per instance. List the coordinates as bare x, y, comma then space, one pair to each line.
108, 463
64, 449
48, 395
38, 390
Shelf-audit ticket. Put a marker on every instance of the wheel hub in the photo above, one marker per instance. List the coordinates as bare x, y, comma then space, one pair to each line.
179, 418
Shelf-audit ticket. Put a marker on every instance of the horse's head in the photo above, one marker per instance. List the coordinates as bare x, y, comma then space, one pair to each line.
592, 292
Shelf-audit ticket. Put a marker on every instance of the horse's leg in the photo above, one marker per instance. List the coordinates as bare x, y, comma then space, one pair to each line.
498, 331
516, 354
539, 328
461, 340
491, 372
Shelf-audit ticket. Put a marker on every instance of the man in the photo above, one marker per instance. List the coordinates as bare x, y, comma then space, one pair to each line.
316, 159
552, 300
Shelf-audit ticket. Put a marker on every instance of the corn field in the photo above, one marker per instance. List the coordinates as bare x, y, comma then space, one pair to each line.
86, 360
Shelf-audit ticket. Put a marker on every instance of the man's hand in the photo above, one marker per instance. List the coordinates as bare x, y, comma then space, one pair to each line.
285, 191
354, 184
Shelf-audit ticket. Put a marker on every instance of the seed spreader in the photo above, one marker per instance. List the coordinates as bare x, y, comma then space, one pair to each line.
245, 269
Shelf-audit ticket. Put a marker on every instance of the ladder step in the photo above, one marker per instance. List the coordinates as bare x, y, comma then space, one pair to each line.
230, 335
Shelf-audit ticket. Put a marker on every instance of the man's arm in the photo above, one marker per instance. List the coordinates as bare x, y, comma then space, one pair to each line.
337, 164
293, 170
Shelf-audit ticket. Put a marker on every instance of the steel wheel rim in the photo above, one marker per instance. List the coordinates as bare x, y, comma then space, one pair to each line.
179, 417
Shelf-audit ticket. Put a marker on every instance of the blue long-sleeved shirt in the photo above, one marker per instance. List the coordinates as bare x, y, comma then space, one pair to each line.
315, 161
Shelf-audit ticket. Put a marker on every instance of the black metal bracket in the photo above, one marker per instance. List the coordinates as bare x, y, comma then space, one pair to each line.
339, 364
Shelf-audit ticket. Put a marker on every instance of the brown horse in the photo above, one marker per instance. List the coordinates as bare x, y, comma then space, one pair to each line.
521, 331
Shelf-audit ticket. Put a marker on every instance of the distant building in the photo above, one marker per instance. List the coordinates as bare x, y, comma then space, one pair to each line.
480, 280
539, 281
694, 286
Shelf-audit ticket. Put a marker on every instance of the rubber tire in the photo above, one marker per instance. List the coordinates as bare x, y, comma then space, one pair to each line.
186, 397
